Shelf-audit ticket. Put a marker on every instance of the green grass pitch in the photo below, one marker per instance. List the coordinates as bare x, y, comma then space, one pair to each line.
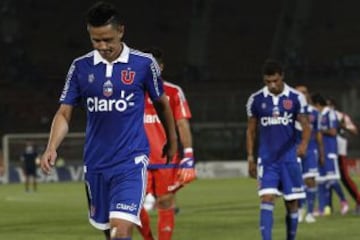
225, 209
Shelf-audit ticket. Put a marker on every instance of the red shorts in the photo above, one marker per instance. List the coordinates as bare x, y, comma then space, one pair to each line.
159, 181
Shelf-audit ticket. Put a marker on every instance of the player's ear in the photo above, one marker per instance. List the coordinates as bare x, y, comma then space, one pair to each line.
121, 30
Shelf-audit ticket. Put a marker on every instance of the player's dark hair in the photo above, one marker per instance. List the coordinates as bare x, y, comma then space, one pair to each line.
271, 67
101, 14
331, 101
317, 98
156, 52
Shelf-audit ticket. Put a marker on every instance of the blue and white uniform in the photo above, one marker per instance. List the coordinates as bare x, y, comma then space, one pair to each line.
310, 161
330, 170
278, 169
116, 146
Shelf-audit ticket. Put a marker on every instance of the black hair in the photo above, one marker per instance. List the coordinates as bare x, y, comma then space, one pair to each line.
317, 98
101, 14
271, 67
331, 101
157, 53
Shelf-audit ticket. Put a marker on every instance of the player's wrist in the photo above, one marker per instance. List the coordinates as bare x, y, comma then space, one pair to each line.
188, 152
188, 158
251, 158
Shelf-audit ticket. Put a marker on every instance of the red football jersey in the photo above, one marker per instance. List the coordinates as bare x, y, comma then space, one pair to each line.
153, 126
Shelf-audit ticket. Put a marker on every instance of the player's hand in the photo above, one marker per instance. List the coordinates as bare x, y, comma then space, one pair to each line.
186, 172
2, 170
301, 150
47, 160
169, 150
252, 167
322, 160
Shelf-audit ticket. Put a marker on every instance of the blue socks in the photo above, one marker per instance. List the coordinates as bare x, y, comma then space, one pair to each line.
310, 198
336, 186
291, 225
266, 220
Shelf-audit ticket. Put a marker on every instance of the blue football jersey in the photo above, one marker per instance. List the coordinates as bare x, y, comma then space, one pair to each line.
276, 115
329, 120
314, 123
113, 94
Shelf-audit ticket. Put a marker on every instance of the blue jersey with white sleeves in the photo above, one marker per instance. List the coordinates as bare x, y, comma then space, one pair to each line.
329, 120
113, 94
276, 116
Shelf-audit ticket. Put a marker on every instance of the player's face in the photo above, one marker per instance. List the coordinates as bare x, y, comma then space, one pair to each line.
274, 83
107, 40
304, 91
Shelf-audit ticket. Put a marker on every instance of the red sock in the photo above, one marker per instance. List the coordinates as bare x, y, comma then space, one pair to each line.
145, 229
166, 223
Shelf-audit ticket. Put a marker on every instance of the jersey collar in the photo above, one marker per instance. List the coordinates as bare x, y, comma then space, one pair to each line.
123, 58
325, 110
285, 92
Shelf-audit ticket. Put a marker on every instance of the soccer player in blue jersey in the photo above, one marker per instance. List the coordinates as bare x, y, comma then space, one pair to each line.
2, 168
313, 157
272, 112
329, 173
112, 81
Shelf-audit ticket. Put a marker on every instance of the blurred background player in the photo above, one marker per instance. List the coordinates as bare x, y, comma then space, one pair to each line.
346, 127
272, 112
313, 157
112, 80
2, 167
29, 161
329, 173
165, 179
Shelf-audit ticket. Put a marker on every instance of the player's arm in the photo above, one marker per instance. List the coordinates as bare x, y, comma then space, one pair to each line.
250, 145
186, 173
164, 112
330, 132
348, 125
303, 119
320, 144
59, 129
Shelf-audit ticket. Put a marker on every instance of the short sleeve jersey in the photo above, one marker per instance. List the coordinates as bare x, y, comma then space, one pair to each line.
328, 120
313, 114
114, 97
276, 116
153, 127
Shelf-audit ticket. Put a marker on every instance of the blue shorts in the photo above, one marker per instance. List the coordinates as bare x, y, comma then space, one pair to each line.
309, 164
330, 170
281, 178
116, 193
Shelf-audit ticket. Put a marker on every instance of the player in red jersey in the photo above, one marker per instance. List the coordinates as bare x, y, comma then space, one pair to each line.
165, 179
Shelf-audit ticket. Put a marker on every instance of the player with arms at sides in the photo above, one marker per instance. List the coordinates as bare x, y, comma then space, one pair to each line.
2, 167
346, 127
112, 81
313, 157
272, 112
329, 174
28, 159
165, 179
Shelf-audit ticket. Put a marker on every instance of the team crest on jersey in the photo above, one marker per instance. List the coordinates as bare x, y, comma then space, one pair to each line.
287, 104
91, 78
108, 88
127, 76
263, 105
276, 111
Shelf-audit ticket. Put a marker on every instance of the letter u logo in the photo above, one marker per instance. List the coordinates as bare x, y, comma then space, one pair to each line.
127, 77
